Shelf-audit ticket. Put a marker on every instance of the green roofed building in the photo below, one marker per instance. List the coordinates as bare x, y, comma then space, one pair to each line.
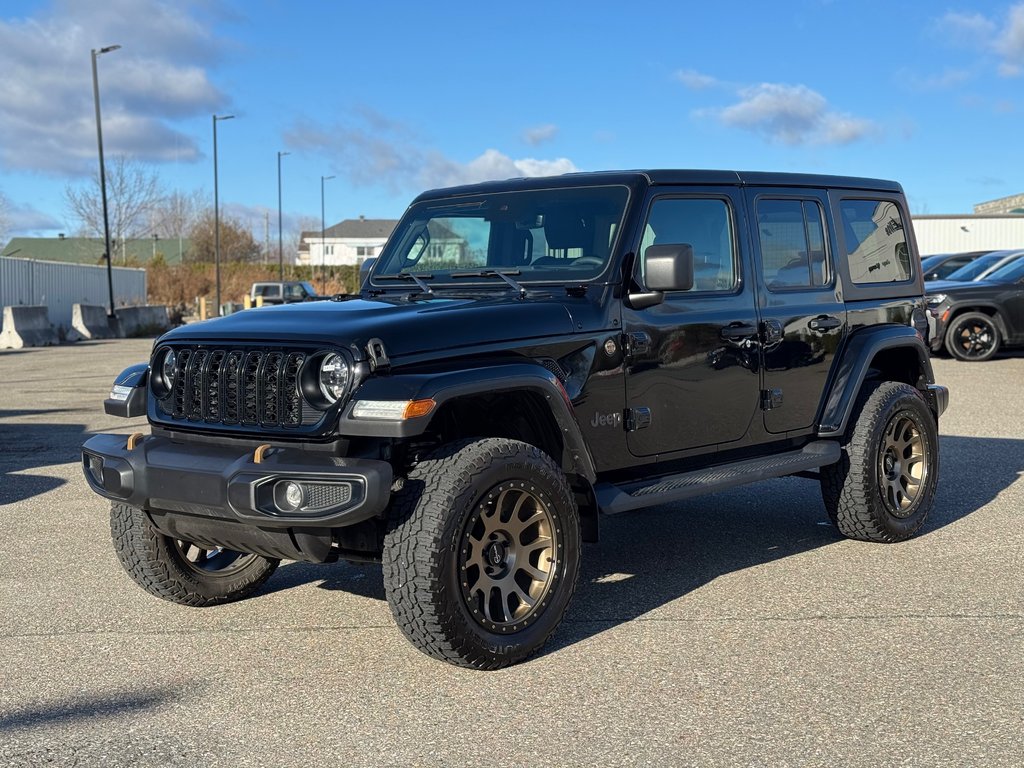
89, 250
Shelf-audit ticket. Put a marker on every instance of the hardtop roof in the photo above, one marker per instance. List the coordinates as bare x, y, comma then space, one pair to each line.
660, 177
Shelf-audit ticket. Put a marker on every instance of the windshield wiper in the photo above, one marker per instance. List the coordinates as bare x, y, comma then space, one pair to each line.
418, 279
495, 273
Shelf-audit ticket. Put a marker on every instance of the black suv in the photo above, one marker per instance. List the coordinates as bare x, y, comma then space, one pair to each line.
973, 320
524, 357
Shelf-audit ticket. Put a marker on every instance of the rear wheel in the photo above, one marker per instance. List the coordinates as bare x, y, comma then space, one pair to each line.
181, 571
482, 552
972, 337
882, 487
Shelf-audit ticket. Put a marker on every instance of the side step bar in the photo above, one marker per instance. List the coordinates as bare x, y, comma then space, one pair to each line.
613, 499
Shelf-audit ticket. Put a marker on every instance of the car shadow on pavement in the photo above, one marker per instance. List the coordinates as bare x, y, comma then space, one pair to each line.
28, 446
85, 709
650, 558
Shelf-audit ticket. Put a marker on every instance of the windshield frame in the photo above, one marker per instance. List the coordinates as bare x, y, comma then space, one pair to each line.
380, 281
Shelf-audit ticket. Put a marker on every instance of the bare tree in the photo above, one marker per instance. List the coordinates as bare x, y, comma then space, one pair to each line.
133, 193
178, 213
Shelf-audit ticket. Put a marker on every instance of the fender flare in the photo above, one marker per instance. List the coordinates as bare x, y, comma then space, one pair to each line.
858, 353
444, 387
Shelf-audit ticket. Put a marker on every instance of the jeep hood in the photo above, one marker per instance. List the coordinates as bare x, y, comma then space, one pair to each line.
405, 327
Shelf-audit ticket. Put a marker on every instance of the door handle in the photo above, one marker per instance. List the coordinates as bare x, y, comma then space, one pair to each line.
824, 323
736, 331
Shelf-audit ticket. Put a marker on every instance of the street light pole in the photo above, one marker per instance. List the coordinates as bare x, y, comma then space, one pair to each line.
323, 237
216, 208
103, 174
280, 227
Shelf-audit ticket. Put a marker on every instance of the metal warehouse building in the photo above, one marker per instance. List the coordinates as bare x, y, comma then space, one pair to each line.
968, 232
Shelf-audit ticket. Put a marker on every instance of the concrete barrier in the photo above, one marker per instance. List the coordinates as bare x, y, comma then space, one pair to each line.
143, 321
26, 326
90, 321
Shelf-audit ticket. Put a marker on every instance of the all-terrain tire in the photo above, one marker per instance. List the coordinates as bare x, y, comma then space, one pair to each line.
972, 337
883, 486
450, 506
160, 565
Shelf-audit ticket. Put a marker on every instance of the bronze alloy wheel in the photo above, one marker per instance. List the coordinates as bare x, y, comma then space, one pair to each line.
215, 561
902, 464
508, 557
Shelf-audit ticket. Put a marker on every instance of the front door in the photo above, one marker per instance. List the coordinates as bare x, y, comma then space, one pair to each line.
692, 376
803, 318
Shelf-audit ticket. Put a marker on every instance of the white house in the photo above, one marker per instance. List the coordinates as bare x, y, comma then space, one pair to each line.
350, 242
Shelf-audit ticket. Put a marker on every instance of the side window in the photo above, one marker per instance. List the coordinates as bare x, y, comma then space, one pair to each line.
792, 236
704, 224
876, 243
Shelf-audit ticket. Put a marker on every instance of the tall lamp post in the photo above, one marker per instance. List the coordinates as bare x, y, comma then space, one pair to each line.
103, 173
323, 237
280, 219
216, 208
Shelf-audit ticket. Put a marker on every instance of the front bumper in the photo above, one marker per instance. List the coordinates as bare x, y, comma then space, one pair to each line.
226, 484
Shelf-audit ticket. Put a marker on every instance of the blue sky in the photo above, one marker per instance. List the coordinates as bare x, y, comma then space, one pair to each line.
392, 98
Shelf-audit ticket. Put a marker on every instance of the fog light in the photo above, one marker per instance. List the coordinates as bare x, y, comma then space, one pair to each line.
95, 466
288, 496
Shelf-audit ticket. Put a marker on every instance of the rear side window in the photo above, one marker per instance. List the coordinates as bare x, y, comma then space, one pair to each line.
792, 237
876, 242
706, 225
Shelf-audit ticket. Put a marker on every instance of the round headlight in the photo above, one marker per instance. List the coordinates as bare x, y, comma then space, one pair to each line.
334, 377
168, 368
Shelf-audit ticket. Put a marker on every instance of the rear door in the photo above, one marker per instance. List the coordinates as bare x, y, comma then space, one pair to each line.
803, 317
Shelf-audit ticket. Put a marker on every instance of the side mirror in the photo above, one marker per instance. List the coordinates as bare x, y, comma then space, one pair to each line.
364, 270
669, 267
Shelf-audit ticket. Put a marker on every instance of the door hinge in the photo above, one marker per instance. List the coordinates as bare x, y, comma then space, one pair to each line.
771, 399
637, 343
772, 332
637, 418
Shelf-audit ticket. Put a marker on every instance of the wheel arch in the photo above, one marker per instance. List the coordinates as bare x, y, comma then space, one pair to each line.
883, 353
522, 401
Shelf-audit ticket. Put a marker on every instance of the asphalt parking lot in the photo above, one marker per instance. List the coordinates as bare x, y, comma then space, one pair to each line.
732, 630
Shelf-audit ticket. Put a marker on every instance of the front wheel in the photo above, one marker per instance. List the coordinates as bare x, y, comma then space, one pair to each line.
882, 487
180, 571
482, 552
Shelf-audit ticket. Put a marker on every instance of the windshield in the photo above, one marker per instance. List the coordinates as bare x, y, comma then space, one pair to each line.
1008, 273
976, 267
537, 235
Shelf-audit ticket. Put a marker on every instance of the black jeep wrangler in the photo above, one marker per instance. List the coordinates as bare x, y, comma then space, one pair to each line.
524, 357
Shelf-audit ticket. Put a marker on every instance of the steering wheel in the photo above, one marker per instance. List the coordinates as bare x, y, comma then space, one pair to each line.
588, 261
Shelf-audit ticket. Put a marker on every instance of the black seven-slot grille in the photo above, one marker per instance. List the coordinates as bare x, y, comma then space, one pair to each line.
249, 387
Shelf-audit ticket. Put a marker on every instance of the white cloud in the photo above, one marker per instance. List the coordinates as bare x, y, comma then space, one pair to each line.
444, 172
1011, 42
382, 152
965, 28
47, 122
696, 81
790, 114
540, 134
948, 78
24, 219
1003, 38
